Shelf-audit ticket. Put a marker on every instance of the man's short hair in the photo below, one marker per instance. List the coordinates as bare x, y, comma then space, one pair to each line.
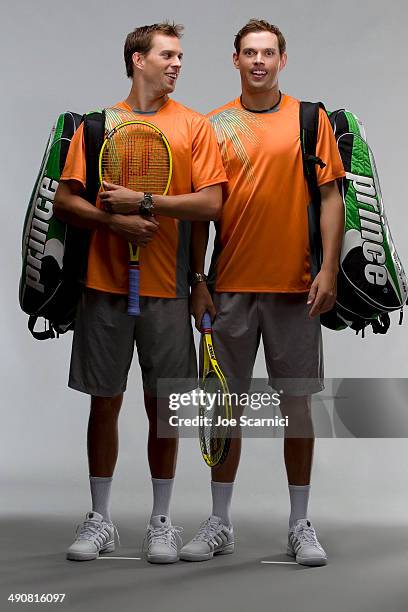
259, 25
141, 40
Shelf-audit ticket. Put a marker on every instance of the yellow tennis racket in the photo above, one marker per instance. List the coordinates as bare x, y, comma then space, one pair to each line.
136, 155
215, 403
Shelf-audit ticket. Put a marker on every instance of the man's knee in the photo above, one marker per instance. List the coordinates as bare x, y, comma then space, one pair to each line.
299, 415
105, 408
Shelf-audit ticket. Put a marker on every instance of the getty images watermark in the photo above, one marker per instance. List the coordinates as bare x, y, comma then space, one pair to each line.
335, 408
215, 403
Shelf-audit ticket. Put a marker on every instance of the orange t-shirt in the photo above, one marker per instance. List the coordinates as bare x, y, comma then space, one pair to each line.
262, 242
196, 164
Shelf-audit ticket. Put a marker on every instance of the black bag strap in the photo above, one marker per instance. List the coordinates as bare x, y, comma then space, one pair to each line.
94, 133
382, 324
44, 335
309, 128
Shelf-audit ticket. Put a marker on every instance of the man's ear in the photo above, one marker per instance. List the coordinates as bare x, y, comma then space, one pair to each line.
282, 61
138, 60
235, 60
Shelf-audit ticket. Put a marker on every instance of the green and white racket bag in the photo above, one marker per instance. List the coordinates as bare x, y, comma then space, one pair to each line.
371, 282
54, 254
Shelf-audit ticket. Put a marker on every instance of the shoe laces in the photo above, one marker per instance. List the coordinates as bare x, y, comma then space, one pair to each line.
307, 535
90, 528
208, 529
168, 534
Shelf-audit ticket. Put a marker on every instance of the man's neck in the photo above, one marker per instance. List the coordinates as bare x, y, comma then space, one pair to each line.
260, 101
146, 102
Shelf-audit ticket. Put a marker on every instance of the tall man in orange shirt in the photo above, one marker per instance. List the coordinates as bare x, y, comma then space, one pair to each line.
104, 334
261, 274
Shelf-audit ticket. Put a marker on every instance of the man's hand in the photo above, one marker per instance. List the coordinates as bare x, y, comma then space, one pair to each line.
200, 302
117, 199
134, 228
322, 294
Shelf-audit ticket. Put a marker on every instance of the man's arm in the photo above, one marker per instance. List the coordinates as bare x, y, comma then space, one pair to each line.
71, 207
203, 205
331, 225
200, 296
322, 295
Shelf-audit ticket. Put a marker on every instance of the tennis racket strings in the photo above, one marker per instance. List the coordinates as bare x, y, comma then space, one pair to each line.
136, 156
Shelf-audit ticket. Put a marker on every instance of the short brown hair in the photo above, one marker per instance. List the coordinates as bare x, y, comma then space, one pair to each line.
259, 25
141, 40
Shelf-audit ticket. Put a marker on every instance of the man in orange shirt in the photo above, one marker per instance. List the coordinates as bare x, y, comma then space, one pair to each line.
261, 274
104, 333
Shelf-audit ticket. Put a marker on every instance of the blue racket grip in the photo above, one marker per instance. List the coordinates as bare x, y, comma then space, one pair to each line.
133, 299
206, 326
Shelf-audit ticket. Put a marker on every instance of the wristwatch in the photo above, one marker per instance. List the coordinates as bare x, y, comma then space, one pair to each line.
146, 206
197, 277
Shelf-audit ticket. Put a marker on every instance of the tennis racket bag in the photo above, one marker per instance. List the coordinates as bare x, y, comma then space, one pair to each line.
54, 254
371, 281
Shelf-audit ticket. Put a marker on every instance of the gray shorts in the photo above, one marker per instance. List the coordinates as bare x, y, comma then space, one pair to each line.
105, 335
292, 341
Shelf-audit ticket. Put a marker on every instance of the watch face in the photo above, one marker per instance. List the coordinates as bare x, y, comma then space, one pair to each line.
198, 278
145, 208
146, 205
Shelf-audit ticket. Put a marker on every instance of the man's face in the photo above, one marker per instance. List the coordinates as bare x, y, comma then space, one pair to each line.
162, 64
259, 61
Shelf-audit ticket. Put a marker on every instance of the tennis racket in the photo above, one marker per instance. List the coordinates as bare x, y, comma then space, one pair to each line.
136, 155
215, 403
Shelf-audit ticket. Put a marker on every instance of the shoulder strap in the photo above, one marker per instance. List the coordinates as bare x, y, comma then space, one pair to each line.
309, 128
94, 132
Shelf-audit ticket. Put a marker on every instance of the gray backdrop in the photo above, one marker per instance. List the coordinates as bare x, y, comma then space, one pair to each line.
57, 56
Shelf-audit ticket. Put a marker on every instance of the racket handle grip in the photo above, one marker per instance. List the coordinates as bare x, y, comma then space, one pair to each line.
206, 326
133, 299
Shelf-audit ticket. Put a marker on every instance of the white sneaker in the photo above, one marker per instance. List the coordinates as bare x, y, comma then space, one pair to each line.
213, 538
163, 540
95, 536
304, 545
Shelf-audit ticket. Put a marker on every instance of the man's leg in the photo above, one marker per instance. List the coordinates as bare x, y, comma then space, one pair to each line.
103, 450
161, 452
162, 455
293, 353
101, 355
223, 478
237, 357
298, 453
236, 339
163, 539
165, 346
298, 449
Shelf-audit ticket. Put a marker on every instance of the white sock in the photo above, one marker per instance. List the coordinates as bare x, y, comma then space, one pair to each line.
100, 494
299, 499
221, 499
162, 489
